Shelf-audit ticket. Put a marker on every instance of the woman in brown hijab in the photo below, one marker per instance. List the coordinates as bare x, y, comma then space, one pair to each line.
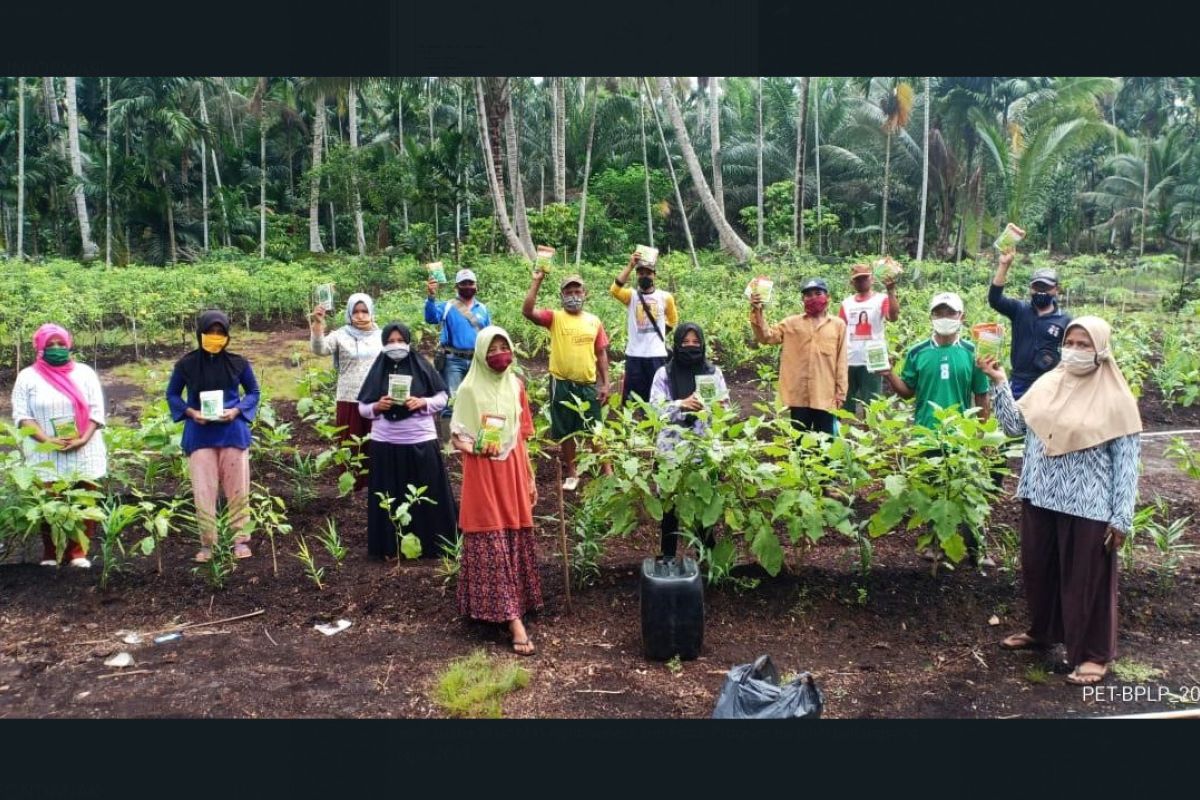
1078, 486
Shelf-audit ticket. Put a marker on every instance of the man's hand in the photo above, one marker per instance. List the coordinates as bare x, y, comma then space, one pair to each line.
1006, 260
431, 287
839, 399
756, 302
602, 392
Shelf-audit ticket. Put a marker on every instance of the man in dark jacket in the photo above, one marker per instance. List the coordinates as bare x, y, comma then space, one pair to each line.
1037, 326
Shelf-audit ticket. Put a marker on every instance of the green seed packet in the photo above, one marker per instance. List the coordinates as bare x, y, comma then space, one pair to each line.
323, 296
65, 427
706, 388
212, 404
437, 271
492, 430
877, 356
399, 387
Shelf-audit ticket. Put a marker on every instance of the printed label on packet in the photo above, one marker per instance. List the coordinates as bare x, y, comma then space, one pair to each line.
399, 387
212, 404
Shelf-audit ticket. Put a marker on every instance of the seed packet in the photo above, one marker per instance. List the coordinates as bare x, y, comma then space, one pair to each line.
646, 256
989, 339
491, 431
212, 404
437, 271
763, 285
399, 387
877, 356
706, 388
65, 428
323, 296
1007, 241
545, 258
885, 268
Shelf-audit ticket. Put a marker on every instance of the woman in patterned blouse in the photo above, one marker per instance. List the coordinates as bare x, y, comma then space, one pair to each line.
58, 400
1078, 486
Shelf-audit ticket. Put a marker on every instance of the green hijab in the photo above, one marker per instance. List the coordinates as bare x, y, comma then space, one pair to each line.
485, 391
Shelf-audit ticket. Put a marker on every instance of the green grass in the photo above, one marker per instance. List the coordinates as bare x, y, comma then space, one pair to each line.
1129, 671
475, 685
1037, 674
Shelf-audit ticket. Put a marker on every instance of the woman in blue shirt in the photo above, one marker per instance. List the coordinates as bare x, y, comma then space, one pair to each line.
217, 448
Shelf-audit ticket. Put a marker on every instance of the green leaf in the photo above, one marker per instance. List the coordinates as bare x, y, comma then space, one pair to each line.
410, 546
345, 484
654, 507
147, 545
895, 484
768, 552
712, 512
954, 547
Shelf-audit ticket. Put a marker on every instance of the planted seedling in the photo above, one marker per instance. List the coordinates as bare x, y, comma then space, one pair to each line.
332, 542
401, 516
311, 570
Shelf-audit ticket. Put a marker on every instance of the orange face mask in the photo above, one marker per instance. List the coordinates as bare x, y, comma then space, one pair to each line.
213, 342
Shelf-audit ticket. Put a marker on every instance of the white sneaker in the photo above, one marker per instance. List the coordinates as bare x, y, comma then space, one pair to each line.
81, 563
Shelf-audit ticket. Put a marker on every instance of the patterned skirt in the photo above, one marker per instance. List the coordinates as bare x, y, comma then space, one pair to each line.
499, 579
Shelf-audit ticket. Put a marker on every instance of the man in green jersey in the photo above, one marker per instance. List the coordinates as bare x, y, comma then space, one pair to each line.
942, 371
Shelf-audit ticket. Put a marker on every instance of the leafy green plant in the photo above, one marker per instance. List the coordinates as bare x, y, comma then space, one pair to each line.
450, 564
313, 572
117, 518
332, 542
401, 515
475, 686
268, 515
222, 563
1185, 457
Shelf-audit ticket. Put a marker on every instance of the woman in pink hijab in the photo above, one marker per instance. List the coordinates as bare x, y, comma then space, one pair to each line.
59, 401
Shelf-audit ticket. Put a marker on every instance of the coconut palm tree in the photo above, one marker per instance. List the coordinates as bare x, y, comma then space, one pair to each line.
489, 147
896, 106
89, 248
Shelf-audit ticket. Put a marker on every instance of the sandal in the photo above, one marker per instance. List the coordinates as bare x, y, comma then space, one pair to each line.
1021, 641
242, 550
527, 643
1080, 677
204, 556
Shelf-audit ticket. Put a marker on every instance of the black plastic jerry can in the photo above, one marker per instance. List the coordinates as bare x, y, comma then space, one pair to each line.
672, 601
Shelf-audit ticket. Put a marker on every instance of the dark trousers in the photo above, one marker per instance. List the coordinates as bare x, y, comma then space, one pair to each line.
1070, 583
670, 539
812, 419
639, 376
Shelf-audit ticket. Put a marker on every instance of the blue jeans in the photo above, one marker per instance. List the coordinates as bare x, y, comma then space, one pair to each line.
453, 373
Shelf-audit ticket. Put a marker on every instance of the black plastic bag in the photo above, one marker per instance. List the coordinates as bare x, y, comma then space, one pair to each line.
752, 691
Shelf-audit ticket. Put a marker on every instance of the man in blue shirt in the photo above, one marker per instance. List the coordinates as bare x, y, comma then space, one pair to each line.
461, 319
1037, 326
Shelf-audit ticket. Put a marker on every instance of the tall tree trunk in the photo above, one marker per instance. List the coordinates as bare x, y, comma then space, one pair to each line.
730, 241
403, 151
458, 193
760, 161
170, 218
798, 173
501, 211
645, 164
687, 229
50, 98
233, 128
216, 171
817, 159
204, 187
924, 178
587, 169
89, 248
560, 98
1145, 193
352, 104
262, 184
552, 88
520, 215
714, 133
20, 171
314, 189
887, 174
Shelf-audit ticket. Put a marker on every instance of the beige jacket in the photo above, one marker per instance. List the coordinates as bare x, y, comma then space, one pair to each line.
812, 365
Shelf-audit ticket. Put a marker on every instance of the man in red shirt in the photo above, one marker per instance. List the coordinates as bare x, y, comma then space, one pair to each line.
865, 313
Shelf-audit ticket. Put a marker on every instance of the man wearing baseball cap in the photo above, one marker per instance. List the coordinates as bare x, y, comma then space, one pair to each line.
1037, 326
461, 319
651, 315
865, 313
578, 364
812, 363
942, 371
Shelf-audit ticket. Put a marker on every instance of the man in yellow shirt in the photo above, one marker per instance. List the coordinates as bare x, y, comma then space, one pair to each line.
651, 316
812, 365
578, 364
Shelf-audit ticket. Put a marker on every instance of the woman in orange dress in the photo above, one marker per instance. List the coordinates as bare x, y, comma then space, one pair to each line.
498, 581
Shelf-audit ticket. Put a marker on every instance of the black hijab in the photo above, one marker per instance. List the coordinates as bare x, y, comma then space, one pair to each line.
425, 380
202, 371
682, 370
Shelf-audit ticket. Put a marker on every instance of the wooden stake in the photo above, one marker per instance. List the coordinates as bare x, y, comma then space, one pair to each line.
562, 531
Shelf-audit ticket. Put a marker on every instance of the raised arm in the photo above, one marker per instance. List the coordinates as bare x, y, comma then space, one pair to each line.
531, 297
996, 299
758, 324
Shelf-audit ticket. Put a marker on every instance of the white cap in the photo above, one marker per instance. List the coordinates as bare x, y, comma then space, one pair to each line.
946, 299
464, 275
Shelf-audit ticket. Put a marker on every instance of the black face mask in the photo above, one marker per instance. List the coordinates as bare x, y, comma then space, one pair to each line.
1042, 299
689, 355
645, 283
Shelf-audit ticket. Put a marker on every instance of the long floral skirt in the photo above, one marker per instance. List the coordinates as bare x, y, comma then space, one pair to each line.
499, 579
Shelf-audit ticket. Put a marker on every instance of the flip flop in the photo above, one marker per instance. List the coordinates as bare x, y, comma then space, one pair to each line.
1021, 641
1089, 678
528, 642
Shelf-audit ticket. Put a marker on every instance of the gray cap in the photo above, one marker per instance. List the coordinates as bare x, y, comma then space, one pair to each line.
1044, 276
815, 283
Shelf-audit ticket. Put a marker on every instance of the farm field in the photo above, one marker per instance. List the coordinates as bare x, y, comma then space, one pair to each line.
883, 635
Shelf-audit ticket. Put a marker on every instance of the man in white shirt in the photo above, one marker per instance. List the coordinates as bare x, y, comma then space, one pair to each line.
865, 313
651, 315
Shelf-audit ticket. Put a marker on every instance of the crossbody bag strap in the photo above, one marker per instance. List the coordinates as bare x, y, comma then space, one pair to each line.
653, 321
466, 312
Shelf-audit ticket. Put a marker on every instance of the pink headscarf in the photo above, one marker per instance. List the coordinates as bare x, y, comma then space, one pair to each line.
60, 377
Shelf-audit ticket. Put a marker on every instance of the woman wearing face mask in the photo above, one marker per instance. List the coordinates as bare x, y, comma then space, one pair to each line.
59, 401
218, 450
674, 391
354, 347
498, 581
1078, 487
404, 448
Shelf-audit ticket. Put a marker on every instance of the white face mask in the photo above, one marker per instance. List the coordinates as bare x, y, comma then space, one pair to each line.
1079, 362
946, 327
396, 352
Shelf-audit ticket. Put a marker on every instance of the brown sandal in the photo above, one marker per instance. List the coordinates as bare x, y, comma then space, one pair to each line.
1021, 641
527, 643
1079, 677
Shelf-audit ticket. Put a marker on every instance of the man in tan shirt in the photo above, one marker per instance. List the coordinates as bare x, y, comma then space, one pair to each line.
812, 367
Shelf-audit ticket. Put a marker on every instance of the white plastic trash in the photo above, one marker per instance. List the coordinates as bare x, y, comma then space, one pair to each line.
120, 660
336, 627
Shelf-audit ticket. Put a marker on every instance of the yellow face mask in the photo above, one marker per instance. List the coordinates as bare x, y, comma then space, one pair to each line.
213, 342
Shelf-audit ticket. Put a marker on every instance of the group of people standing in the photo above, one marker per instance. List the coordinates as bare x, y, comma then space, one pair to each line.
1078, 483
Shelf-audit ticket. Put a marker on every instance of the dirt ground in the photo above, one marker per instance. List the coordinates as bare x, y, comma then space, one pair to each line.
901, 643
